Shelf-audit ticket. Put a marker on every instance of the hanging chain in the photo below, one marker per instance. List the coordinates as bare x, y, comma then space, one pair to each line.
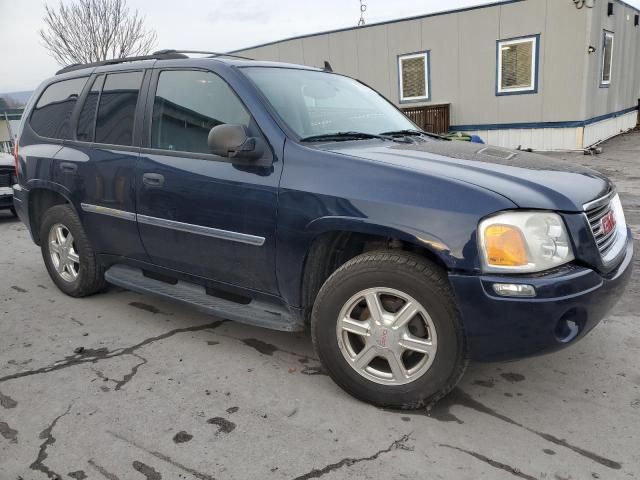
363, 8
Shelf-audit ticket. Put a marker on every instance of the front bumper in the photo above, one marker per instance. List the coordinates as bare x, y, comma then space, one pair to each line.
506, 328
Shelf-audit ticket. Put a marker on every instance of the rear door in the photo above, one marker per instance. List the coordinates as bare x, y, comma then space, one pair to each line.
200, 213
99, 165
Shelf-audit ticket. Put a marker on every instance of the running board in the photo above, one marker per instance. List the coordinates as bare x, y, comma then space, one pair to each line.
256, 312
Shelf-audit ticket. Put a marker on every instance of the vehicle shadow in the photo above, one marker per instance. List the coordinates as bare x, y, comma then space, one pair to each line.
7, 217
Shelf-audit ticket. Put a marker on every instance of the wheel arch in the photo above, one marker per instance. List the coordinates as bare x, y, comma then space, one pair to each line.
43, 196
337, 240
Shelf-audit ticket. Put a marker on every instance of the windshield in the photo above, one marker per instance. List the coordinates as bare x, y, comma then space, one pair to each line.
317, 103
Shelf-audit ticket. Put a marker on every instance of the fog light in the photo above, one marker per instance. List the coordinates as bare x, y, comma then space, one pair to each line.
514, 290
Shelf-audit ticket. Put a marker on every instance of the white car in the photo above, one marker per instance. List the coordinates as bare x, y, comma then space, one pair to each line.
7, 179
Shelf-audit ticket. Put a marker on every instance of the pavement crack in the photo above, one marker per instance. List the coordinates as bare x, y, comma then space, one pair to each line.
458, 397
49, 439
495, 464
131, 374
96, 355
102, 471
163, 457
400, 444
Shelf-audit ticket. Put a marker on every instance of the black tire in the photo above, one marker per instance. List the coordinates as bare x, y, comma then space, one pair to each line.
422, 280
13, 212
90, 277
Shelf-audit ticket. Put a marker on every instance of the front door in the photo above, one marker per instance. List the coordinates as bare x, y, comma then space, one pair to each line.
199, 213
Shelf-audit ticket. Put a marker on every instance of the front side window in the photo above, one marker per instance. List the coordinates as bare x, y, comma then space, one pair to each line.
188, 104
313, 102
607, 58
51, 116
117, 108
518, 65
413, 71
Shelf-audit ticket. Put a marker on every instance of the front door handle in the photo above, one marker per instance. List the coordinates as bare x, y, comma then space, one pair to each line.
153, 179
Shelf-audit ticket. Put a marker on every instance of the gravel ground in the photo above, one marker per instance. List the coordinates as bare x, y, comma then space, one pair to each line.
125, 386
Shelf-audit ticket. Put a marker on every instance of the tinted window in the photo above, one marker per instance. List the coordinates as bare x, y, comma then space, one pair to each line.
52, 114
117, 108
187, 105
87, 118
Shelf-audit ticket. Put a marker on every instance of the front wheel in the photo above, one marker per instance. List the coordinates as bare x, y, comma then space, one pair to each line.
386, 328
67, 253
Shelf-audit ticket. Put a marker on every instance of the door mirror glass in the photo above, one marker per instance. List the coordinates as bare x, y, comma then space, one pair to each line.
233, 141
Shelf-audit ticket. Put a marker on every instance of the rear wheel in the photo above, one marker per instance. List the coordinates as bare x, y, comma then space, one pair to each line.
386, 328
67, 253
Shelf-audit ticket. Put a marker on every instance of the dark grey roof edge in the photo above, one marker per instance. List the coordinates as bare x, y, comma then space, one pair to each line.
386, 22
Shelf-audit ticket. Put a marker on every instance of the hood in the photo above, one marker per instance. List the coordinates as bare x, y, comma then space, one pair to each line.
527, 179
6, 160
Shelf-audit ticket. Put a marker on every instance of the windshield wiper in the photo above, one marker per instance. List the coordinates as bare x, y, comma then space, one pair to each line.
410, 132
343, 136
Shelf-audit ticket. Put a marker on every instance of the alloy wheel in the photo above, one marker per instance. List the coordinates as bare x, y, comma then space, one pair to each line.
64, 256
386, 336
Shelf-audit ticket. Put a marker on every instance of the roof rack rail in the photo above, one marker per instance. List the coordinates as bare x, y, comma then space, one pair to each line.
211, 54
162, 55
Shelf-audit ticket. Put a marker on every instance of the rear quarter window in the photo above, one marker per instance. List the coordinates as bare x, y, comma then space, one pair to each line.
51, 116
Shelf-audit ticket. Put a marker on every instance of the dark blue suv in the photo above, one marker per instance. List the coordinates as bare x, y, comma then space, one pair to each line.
290, 197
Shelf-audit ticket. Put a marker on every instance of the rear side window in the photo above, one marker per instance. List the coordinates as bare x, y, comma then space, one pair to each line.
51, 116
87, 118
117, 108
188, 104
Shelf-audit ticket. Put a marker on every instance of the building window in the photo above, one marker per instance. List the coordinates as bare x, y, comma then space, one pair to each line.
518, 65
413, 70
607, 59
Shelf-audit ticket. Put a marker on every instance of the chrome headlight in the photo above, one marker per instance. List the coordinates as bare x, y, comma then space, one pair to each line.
523, 242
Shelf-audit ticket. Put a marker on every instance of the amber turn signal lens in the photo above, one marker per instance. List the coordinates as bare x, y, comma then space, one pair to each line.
505, 246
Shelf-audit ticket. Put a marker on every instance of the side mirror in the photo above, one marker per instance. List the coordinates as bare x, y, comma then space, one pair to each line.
232, 141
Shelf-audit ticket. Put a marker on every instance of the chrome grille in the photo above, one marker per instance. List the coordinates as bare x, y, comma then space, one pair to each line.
6, 177
610, 244
605, 241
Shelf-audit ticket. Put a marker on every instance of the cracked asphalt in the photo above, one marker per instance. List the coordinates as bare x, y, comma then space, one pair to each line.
124, 386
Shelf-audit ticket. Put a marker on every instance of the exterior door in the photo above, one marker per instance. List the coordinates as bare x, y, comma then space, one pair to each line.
98, 165
199, 213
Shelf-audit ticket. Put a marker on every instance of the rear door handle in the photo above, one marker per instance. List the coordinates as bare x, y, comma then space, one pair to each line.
67, 167
153, 179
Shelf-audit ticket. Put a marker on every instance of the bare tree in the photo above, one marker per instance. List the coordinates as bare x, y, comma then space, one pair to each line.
94, 30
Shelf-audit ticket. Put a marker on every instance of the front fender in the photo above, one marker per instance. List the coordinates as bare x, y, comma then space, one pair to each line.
369, 227
323, 191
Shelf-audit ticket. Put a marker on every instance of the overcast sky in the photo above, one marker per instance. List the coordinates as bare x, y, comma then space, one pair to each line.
218, 25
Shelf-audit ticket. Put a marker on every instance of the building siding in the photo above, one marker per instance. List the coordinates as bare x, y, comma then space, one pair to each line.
462, 48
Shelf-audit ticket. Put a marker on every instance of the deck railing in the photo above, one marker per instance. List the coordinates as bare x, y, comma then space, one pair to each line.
431, 118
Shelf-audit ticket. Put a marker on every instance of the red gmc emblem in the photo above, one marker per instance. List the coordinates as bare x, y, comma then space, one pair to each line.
607, 223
